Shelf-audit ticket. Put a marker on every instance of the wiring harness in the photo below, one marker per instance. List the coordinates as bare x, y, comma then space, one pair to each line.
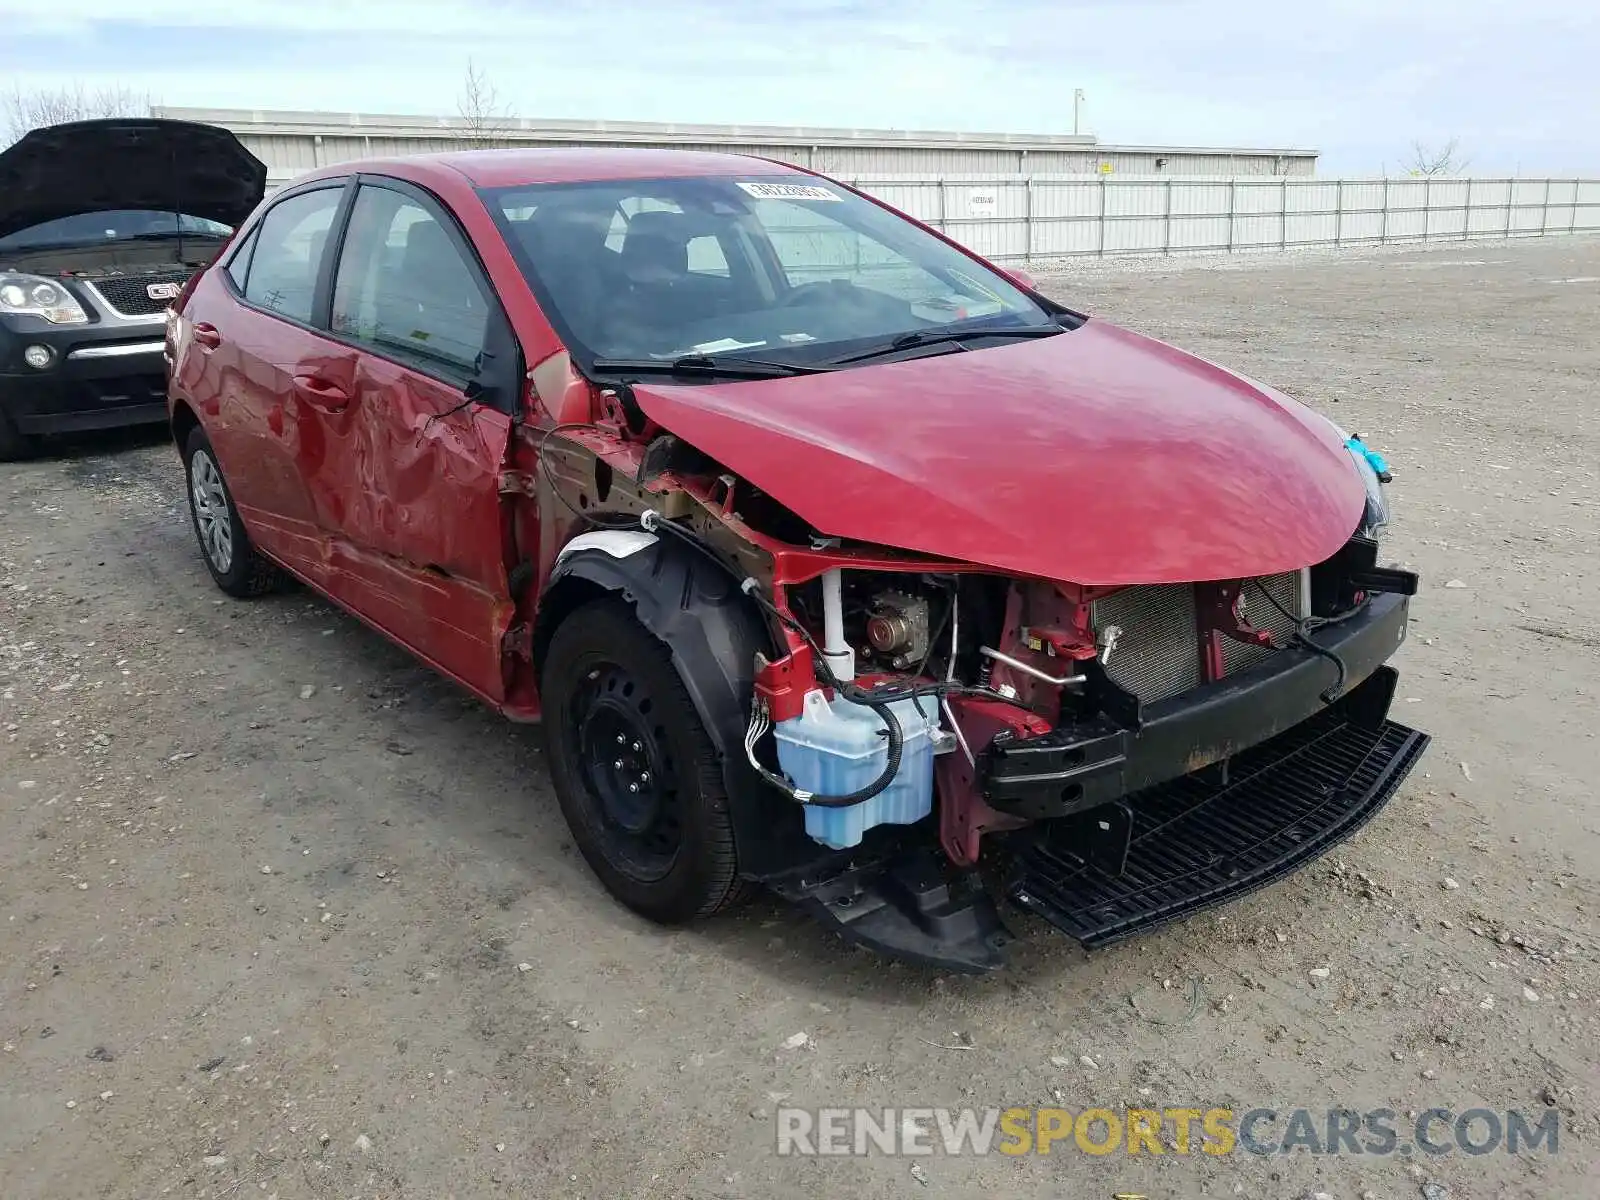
878, 697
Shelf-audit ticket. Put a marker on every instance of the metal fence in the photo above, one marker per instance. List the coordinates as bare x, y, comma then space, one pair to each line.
1017, 218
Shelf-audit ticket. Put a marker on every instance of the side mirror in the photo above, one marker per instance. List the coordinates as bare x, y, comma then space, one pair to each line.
1021, 278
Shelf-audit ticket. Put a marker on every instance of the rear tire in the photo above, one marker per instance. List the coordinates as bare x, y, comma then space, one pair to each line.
638, 779
224, 545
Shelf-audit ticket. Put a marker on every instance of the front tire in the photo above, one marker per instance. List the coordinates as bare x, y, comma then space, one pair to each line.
233, 562
638, 779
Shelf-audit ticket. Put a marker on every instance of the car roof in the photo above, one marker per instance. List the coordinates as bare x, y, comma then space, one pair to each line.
575, 164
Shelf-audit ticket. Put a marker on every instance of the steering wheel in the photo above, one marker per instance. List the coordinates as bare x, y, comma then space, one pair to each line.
813, 292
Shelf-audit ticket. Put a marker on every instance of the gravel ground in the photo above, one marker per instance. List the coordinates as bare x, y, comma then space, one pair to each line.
284, 915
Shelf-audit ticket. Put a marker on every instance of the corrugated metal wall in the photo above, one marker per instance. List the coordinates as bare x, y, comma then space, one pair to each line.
1018, 197
288, 154
1044, 217
1047, 216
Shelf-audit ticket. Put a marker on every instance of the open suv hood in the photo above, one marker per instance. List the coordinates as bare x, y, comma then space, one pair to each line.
1097, 456
137, 162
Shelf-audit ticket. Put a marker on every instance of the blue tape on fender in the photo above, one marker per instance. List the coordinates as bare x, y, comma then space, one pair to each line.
1375, 460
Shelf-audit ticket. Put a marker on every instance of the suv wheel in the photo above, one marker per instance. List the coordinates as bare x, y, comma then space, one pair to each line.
231, 559
639, 780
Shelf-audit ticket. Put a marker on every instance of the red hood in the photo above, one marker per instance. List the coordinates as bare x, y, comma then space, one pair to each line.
1098, 456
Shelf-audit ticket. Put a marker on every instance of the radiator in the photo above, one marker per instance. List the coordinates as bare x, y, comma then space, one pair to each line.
1158, 653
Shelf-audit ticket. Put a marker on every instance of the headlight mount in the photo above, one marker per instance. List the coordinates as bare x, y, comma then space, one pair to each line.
1374, 471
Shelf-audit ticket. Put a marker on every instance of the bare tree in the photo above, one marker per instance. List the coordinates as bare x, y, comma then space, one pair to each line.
1443, 160
486, 118
22, 110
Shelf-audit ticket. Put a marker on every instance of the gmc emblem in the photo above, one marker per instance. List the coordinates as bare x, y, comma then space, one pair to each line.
163, 291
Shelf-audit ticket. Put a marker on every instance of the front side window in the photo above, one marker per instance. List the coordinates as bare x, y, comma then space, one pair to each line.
288, 253
656, 269
406, 289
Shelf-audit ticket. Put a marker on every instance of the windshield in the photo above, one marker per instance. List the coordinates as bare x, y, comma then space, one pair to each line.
742, 265
121, 224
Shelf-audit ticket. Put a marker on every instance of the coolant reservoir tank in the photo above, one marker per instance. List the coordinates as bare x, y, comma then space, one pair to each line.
835, 747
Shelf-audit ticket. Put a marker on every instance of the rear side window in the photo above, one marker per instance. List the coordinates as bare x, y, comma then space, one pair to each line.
406, 289
288, 251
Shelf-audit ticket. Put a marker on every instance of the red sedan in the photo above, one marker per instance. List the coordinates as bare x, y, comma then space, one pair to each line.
835, 558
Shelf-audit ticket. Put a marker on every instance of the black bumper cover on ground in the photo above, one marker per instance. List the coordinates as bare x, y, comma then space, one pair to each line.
1206, 839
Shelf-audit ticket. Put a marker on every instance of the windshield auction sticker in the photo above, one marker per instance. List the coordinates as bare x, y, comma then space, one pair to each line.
789, 191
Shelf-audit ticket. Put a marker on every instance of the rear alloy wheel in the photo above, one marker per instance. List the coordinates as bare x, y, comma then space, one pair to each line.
231, 559
639, 781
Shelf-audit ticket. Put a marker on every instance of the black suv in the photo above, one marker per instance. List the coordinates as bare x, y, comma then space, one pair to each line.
101, 225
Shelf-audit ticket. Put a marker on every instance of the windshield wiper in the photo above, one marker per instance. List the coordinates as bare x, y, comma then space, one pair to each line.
955, 339
726, 366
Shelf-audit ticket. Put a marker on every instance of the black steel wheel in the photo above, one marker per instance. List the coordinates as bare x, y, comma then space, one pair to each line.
639, 781
626, 766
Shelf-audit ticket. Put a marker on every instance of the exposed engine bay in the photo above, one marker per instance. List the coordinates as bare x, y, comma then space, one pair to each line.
920, 714
983, 660
116, 258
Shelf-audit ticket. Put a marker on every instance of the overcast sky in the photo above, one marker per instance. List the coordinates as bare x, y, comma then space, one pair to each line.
1518, 83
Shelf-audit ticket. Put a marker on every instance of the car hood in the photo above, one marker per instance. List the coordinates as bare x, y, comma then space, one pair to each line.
1098, 456
96, 166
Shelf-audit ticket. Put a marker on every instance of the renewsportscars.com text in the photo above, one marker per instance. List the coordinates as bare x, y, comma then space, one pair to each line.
1215, 1131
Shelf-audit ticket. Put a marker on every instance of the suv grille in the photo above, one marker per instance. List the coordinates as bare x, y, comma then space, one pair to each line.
128, 295
1158, 654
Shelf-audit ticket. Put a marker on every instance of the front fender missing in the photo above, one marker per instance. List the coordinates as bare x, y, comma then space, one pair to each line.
714, 633
680, 597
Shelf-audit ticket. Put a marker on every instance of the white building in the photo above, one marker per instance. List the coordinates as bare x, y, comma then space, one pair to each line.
293, 142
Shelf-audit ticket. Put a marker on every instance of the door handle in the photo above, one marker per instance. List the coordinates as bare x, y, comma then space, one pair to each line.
205, 334
319, 393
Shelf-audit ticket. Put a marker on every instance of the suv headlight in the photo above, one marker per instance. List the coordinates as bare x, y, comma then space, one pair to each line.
35, 296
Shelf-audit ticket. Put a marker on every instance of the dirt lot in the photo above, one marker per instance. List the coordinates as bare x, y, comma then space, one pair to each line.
284, 915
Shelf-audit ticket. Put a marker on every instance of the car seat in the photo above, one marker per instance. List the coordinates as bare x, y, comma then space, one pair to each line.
433, 300
567, 247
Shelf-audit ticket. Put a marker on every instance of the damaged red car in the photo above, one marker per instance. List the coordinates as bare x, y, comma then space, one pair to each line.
835, 559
